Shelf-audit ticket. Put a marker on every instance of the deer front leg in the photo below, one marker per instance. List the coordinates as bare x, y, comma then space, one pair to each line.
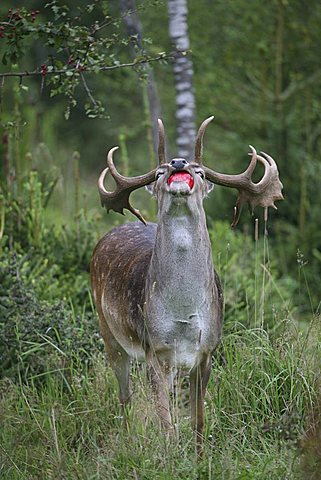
158, 376
199, 377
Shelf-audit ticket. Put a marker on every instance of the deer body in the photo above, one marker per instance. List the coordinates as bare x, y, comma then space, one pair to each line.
157, 294
168, 306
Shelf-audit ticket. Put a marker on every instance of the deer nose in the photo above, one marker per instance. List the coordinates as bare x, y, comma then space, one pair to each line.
179, 163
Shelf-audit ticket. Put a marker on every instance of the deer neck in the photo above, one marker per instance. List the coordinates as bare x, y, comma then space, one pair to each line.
181, 266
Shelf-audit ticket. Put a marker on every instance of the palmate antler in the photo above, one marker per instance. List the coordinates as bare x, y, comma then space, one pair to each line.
119, 198
263, 193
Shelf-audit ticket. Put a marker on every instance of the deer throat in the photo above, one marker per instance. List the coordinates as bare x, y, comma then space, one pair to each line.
181, 264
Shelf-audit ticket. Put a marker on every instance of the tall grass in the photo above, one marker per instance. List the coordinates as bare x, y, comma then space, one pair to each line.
256, 405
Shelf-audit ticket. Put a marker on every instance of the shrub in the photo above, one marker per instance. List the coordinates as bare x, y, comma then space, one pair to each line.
37, 336
46, 317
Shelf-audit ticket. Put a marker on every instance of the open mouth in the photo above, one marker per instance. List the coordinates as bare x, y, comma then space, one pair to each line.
181, 177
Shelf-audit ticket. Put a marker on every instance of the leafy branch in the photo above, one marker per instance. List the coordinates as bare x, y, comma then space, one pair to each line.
79, 69
73, 46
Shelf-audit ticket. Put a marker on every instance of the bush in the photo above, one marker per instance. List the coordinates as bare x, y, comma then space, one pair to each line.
37, 336
46, 316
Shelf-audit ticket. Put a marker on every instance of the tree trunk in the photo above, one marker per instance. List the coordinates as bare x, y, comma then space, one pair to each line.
183, 72
134, 29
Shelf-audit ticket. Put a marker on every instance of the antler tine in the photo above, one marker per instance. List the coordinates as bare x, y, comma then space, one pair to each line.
250, 169
272, 165
263, 193
161, 144
198, 157
271, 173
270, 160
268, 167
119, 198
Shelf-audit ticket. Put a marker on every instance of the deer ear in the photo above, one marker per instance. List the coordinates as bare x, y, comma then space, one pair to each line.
210, 186
150, 188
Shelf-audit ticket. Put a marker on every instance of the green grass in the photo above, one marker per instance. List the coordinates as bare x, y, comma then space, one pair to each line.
260, 391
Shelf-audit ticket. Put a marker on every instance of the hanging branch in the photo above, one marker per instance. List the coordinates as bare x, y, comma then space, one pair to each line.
80, 69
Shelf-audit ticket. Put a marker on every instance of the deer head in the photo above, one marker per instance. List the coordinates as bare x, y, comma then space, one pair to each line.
263, 193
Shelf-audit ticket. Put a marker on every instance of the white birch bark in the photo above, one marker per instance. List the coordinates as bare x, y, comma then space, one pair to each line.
183, 73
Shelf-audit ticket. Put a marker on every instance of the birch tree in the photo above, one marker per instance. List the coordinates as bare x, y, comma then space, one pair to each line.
183, 74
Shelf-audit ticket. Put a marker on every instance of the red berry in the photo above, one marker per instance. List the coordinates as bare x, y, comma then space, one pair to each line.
44, 70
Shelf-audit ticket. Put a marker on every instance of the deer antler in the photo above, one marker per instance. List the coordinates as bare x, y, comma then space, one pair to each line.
161, 143
264, 193
119, 198
198, 157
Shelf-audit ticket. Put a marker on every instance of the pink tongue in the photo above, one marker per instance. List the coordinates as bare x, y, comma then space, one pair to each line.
181, 177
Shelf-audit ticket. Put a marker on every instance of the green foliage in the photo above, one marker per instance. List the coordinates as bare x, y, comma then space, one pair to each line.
74, 45
256, 292
46, 316
15, 27
57, 256
38, 336
24, 213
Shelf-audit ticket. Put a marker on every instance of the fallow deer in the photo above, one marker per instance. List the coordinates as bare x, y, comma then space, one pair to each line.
157, 294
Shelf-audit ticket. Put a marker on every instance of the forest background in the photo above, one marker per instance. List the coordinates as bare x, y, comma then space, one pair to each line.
256, 68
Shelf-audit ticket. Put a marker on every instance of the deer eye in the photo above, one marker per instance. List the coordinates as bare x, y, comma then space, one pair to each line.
201, 174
